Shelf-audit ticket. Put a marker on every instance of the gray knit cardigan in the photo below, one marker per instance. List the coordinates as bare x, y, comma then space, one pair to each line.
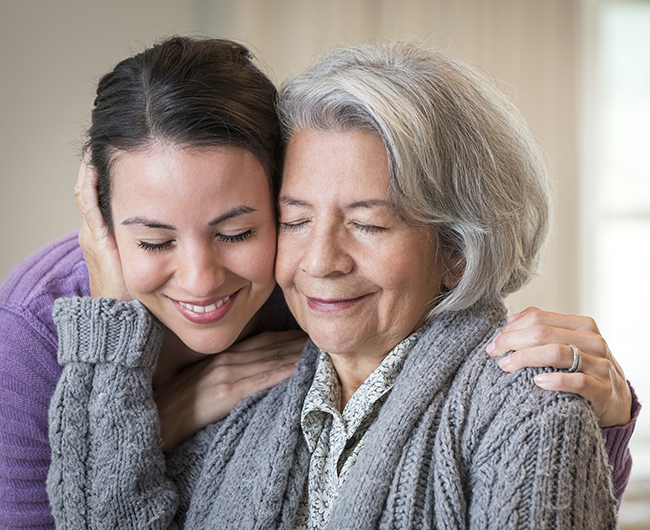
458, 444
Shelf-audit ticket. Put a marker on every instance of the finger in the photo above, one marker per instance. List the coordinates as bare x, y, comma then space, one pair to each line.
262, 355
263, 340
534, 316
232, 373
88, 203
557, 356
231, 394
541, 335
181, 418
521, 314
81, 175
577, 383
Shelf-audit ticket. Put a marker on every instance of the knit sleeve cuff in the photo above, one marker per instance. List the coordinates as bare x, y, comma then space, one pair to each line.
618, 437
616, 441
102, 330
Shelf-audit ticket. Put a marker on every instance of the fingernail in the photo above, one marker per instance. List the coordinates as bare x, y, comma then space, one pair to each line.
504, 362
540, 379
514, 317
490, 347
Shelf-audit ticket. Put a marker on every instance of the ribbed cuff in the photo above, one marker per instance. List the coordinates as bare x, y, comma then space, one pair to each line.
103, 330
617, 440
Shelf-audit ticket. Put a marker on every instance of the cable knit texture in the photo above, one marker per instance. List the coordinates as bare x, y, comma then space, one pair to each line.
458, 444
29, 372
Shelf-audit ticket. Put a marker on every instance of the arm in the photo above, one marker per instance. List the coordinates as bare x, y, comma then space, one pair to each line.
617, 440
107, 466
541, 464
28, 375
539, 338
208, 390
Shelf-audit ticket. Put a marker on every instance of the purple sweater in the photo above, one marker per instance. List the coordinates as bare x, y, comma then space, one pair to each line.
29, 373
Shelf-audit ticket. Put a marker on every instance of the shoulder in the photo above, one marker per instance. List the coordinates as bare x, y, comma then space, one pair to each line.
29, 292
500, 404
28, 366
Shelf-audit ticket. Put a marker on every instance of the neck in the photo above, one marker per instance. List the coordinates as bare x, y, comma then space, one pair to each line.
175, 355
352, 372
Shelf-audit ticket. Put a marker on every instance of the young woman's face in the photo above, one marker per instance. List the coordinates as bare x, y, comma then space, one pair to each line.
195, 229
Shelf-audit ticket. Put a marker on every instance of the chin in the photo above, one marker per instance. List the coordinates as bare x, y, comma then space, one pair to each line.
209, 346
332, 343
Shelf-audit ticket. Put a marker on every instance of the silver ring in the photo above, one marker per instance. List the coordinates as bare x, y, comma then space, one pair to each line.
577, 359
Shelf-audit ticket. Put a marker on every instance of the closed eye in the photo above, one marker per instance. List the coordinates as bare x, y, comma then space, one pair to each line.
155, 247
293, 226
237, 238
369, 229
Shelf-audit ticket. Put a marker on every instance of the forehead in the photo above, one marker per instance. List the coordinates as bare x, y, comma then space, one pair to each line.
199, 182
164, 166
353, 162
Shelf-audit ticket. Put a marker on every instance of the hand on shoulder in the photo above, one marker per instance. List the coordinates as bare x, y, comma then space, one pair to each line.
539, 338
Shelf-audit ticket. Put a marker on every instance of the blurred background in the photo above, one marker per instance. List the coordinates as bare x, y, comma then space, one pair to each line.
579, 70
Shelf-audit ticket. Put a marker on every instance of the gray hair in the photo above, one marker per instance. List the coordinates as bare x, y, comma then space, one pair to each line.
462, 159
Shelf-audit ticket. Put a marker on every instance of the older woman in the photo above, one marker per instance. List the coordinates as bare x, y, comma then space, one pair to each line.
413, 200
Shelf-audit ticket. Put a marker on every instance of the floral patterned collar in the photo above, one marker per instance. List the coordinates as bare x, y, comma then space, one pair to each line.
334, 438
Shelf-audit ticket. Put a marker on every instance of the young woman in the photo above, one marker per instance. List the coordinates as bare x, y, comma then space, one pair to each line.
185, 141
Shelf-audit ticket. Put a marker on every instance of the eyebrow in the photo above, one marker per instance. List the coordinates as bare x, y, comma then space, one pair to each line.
290, 201
367, 204
151, 223
234, 212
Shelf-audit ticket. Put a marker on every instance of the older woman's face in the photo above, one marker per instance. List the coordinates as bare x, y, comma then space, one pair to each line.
356, 276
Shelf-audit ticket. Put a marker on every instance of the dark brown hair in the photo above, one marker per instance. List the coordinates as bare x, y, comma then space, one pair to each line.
187, 92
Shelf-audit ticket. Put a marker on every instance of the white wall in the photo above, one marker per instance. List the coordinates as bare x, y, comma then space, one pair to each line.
52, 52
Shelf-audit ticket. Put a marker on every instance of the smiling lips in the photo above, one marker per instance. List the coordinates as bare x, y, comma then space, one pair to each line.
206, 314
333, 305
206, 308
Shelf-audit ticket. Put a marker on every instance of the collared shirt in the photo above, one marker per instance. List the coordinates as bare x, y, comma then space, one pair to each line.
335, 439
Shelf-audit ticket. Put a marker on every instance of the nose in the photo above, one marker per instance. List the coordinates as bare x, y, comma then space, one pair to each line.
200, 271
325, 253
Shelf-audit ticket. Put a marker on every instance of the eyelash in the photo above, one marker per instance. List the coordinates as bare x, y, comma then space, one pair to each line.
369, 229
237, 238
160, 247
155, 247
288, 227
365, 229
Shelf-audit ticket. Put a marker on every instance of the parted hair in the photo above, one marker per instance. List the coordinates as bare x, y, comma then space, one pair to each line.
462, 159
189, 93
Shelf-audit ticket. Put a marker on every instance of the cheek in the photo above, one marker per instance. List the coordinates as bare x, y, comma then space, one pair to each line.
143, 273
286, 263
409, 272
258, 262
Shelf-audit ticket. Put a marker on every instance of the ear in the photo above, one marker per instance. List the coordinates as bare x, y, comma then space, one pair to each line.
455, 267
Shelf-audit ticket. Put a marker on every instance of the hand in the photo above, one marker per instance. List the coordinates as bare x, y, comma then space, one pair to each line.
96, 240
540, 338
210, 389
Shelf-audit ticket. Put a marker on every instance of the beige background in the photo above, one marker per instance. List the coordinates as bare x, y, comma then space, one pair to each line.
52, 52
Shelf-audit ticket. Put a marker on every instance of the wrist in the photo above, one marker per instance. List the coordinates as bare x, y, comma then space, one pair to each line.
101, 330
